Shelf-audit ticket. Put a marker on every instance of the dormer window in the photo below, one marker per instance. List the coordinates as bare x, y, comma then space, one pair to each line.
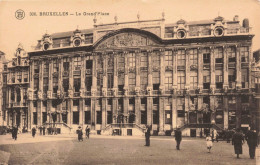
77, 42
181, 34
219, 31
46, 46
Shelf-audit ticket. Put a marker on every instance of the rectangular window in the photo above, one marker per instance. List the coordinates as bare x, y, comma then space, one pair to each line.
19, 76
231, 78
181, 57
244, 78
231, 51
156, 80
36, 84
45, 84
194, 56
87, 117
75, 117
168, 58
13, 77
66, 64
168, 117
88, 82
180, 103
110, 79
36, 67
46, 67
168, 81
77, 63
131, 59
77, 84
25, 76
34, 118
181, 80
131, 81
206, 55
193, 80
44, 117
144, 59
155, 117
55, 84
99, 117
143, 117
219, 55
144, 80
109, 117
219, 79
66, 84
206, 79
181, 113
121, 61
89, 64
244, 52
55, 65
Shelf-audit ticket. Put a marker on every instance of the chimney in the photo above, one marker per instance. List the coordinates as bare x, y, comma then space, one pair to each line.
236, 18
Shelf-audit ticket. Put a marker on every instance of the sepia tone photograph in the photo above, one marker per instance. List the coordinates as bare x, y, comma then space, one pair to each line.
168, 82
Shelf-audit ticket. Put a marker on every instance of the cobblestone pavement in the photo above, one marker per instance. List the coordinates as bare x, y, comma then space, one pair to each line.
65, 149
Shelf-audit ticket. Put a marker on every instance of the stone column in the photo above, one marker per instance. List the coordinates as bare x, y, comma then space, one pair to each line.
104, 113
212, 69
93, 113
39, 112
137, 110
225, 67
70, 112
149, 110
150, 71
212, 107
200, 69
187, 111
174, 57
238, 68
187, 69
225, 111
162, 71
114, 109
238, 112
126, 74
39, 101
81, 111
115, 81
161, 116
200, 103
125, 108
137, 68
174, 112
30, 115
71, 88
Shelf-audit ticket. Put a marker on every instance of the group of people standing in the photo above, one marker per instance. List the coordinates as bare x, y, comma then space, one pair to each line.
80, 133
237, 140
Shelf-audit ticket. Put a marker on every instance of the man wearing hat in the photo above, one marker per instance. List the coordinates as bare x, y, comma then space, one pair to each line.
80, 133
237, 141
178, 138
251, 138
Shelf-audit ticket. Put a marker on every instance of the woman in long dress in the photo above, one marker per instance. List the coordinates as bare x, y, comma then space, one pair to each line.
209, 142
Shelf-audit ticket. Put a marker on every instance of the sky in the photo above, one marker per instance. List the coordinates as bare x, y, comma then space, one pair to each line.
30, 29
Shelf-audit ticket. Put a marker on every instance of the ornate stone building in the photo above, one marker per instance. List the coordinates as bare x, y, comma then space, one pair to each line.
16, 82
122, 76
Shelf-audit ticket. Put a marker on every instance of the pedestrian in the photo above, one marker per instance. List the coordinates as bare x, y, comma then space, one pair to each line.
43, 130
87, 130
237, 141
12, 132
33, 132
40, 128
147, 136
251, 138
178, 138
80, 133
209, 142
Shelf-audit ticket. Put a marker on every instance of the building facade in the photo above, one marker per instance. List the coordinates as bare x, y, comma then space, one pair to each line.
123, 76
16, 82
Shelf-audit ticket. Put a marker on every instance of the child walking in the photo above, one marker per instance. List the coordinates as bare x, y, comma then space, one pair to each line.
209, 142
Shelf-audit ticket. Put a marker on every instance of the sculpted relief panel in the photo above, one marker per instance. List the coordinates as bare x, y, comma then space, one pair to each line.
125, 40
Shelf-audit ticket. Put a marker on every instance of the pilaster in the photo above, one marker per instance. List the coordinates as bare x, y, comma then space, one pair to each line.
212, 69
200, 68
149, 110
187, 68
225, 111
174, 112
137, 110
114, 109
238, 68
225, 67
126, 104
104, 113
162, 71
161, 116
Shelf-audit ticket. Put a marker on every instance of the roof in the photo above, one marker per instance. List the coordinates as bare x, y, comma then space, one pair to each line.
70, 33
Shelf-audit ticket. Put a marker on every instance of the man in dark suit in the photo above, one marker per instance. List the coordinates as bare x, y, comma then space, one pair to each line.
237, 141
147, 136
178, 138
251, 138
